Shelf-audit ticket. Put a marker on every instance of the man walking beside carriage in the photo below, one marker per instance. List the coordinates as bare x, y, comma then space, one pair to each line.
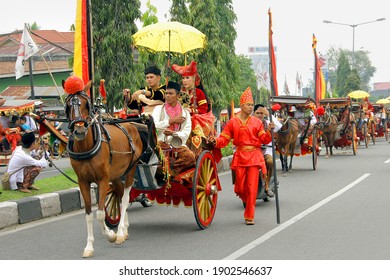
248, 134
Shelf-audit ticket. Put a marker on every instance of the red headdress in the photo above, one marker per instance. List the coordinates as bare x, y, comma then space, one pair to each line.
276, 107
73, 85
187, 70
320, 111
246, 96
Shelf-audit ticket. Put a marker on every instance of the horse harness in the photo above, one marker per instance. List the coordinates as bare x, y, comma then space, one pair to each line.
73, 103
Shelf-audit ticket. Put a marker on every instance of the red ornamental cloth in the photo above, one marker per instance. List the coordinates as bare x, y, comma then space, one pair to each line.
247, 137
201, 102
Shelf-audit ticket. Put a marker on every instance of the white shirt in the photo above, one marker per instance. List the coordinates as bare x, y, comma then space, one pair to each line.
161, 120
278, 126
18, 161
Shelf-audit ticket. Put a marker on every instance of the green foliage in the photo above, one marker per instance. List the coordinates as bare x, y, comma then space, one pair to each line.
362, 64
113, 25
343, 72
228, 150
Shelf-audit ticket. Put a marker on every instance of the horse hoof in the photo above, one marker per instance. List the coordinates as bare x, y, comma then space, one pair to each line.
326, 156
111, 237
119, 240
87, 253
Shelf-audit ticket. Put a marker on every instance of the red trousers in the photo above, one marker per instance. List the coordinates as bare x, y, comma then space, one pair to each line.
246, 185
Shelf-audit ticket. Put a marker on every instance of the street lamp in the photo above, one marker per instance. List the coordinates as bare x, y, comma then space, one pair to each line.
353, 32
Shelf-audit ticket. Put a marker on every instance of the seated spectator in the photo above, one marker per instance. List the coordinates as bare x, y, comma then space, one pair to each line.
23, 124
24, 167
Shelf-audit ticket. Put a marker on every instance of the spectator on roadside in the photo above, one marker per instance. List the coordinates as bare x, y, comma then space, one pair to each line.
23, 167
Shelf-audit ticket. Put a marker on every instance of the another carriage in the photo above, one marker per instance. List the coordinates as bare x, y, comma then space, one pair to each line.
305, 142
8, 108
365, 127
380, 121
345, 135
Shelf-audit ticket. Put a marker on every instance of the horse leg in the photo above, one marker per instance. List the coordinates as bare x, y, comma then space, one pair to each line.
122, 233
100, 214
281, 160
85, 192
290, 166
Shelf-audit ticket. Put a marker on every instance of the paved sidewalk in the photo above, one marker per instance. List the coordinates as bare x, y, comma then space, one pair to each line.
37, 207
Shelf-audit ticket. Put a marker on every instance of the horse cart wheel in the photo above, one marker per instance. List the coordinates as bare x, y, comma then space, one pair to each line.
365, 133
112, 208
353, 138
205, 189
314, 148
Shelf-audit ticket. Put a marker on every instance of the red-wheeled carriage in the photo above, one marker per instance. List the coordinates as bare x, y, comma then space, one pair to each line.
197, 186
346, 134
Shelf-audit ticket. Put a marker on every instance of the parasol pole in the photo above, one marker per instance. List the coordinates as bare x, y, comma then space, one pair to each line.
169, 60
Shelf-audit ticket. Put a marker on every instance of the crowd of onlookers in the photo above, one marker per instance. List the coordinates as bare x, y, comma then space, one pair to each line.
12, 128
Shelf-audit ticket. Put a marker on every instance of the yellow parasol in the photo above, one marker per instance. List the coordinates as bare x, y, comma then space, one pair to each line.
358, 94
170, 36
383, 101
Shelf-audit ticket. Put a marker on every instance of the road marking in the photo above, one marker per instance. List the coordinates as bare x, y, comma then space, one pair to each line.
387, 161
242, 251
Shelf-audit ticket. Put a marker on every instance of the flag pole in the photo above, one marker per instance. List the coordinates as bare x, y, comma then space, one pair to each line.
52, 77
273, 92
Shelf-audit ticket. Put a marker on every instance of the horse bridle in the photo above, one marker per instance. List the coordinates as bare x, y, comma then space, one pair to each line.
73, 103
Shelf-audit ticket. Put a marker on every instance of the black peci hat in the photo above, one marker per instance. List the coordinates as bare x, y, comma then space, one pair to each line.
174, 86
28, 139
152, 70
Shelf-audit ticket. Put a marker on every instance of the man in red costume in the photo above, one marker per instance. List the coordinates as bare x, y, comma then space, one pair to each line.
248, 134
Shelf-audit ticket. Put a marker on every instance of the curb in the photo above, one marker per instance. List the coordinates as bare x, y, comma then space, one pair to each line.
46, 205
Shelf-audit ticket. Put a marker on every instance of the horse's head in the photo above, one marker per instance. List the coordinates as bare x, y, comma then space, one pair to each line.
77, 106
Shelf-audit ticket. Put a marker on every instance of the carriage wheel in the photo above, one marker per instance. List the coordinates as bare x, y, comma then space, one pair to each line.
112, 208
314, 149
365, 132
205, 190
373, 131
354, 140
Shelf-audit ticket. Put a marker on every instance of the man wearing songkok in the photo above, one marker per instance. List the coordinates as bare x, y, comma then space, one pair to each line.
248, 135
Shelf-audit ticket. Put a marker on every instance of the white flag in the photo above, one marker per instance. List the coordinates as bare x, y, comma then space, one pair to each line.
27, 48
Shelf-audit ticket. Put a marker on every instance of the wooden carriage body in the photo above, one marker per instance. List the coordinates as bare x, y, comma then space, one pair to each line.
346, 115
308, 137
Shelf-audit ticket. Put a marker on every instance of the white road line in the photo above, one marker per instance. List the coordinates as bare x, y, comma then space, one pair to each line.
387, 161
242, 251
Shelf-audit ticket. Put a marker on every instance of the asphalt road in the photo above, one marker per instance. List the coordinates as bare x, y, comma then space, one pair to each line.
337, 212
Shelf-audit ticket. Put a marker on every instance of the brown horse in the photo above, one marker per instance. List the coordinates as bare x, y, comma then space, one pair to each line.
102, 154
328, 125
285, 140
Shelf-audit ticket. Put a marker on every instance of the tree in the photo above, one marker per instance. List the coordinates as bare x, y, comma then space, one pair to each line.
113, 25
343, 72
353, 82
363, 65
33, 26
248, 78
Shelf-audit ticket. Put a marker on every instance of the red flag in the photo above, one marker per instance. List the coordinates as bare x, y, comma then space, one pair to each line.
271, 50
320, 87
83, 60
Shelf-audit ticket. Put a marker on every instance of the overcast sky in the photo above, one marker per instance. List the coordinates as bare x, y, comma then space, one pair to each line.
294, 24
